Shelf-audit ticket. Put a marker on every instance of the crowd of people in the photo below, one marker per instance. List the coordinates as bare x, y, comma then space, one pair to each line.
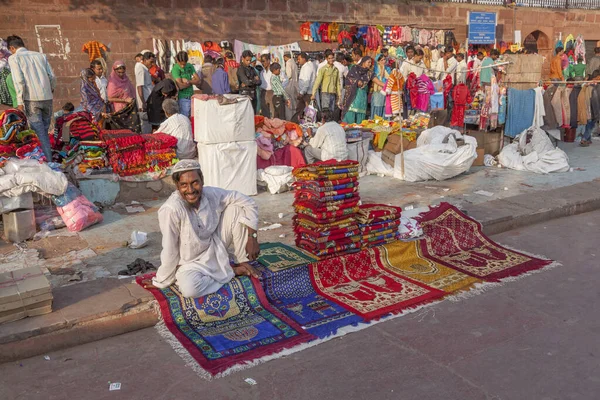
350, 85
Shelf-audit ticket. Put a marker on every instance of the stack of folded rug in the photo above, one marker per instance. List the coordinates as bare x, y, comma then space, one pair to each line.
326, 205
378, 224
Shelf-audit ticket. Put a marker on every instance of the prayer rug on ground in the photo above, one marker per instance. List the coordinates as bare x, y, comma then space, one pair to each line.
233, 326
278, 256
404, 258
361, 283
292, 293
457, 241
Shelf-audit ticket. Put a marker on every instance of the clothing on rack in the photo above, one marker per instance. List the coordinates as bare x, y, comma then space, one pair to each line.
520, 111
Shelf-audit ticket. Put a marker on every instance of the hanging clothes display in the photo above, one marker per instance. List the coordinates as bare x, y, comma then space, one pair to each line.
539, 109
461, 97
424, 90
394, 86
550, 121
94, 49
520, 111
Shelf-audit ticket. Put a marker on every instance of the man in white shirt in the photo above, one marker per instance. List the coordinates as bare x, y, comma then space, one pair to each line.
143, 84
306, 81
202, 228
329, 142
447, 64
291, 73
461, 69
178, 126
34, 83
414, 65
266, 92
101, 81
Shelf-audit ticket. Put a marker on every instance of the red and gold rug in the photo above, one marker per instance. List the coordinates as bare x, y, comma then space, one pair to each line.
361, 283
457, 241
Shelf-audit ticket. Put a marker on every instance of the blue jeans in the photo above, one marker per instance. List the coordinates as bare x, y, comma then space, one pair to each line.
589, 127
39, 115
185, 107
328, 101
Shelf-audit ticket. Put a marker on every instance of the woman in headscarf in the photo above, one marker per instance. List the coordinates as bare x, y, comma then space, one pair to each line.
379, 95
91, 99
120, 89
357, 87
162, 90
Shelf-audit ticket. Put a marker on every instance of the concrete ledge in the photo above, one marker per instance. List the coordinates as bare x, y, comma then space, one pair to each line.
81, 313
499, 216
103, 308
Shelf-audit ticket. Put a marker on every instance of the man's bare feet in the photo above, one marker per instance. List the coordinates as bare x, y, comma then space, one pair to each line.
245, 269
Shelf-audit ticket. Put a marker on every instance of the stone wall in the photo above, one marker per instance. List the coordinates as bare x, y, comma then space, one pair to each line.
61, 27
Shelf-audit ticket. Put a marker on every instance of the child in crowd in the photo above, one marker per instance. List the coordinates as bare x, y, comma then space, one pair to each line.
280, 97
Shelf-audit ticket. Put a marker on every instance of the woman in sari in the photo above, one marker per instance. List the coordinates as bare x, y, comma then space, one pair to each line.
91, 100
120, 90
379, 95
357, 86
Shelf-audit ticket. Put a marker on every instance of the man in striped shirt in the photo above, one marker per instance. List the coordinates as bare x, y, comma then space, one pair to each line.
34, 83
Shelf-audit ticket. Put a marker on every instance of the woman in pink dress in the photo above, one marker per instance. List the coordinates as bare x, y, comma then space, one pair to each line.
120, 90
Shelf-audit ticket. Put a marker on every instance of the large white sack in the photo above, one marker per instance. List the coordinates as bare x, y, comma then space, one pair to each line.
437, 156
230, 166
23, 176
376, 166
359, 151
214, 123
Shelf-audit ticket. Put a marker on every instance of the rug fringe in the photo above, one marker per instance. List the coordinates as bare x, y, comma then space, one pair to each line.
189, 361
482, 287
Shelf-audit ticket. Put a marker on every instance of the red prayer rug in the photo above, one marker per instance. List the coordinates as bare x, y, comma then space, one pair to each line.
457, 241
361, 283
235, 325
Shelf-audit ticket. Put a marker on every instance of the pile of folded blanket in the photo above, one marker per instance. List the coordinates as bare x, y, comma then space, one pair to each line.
126, 153
326, 204
160, 151
93, 154
378, 224
77, 125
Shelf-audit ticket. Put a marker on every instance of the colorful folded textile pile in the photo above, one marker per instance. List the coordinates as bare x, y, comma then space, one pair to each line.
77, 125
326, 205
160, 151
378, 224
93, 155
12, 121
125, 152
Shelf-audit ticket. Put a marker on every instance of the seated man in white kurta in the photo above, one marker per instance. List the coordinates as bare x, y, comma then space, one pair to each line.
202, 228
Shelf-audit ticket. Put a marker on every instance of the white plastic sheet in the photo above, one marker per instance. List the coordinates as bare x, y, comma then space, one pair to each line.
215, 123
277, 178
24, 176
437, 156
230, 166
538, 155
376, 166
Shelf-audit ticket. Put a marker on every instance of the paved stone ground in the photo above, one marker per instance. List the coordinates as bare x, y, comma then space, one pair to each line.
100, 252
535, 338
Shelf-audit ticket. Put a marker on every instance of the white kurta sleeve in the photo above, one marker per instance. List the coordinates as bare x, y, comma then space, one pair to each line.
169, 257
249, 207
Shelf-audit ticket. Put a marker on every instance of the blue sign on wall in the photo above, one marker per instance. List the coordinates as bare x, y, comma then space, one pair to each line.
482, 27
